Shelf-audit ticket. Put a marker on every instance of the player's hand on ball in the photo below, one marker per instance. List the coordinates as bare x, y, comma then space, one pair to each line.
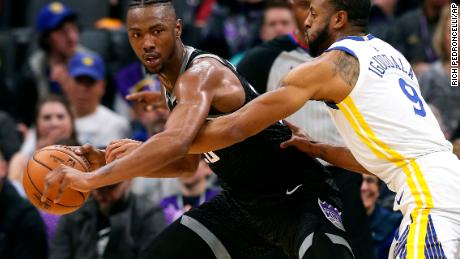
301, 140
65, 177
120, 148
95, 157
147, 101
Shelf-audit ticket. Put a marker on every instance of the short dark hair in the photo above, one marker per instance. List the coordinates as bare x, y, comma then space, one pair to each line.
142, 3
358, 10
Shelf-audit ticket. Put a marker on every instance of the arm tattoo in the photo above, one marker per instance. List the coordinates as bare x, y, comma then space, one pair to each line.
347, 67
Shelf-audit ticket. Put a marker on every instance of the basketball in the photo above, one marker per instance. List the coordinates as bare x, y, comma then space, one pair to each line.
38, 166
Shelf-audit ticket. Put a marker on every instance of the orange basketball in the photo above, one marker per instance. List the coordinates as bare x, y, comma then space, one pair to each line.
43, 161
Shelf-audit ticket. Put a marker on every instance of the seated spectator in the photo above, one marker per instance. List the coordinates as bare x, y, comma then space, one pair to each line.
22, 232
413, 32
194, 192
58, 37
113, 223
383, 222
382, 17
232, 27
152, 122
130, 79
84, 90
435, 82
277, 20
54, 123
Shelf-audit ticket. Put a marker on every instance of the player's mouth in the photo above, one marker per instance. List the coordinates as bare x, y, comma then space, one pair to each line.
151, 59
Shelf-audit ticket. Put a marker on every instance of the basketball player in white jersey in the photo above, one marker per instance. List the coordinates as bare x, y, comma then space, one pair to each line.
388, 128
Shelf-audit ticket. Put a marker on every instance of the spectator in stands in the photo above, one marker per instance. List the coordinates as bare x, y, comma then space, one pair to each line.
382, 17
58, 35
22, 232
152, 121
383, 222
232, 27
84, 90
194, 192
264, 66
133, 78
54, 123
412, 34
113, 223
277, 20
435, 82
194, 15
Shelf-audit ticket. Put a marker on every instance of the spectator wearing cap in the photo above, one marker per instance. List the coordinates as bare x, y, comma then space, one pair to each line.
95, 123
58, 40
131, 79
145, 123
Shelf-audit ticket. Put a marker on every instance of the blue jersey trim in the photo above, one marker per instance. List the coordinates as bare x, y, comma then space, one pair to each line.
345, 49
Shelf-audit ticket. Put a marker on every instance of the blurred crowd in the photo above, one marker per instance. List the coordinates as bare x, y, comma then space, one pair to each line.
65, 68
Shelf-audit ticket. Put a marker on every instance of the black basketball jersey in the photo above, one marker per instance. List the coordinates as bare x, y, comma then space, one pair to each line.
257, 171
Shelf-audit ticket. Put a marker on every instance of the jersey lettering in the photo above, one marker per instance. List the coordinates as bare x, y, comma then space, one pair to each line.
211, 157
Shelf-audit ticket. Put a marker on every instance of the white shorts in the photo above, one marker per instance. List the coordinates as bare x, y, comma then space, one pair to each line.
441, 238
431, 224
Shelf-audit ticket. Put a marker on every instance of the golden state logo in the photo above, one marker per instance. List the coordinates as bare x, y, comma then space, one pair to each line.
56, 7
88, 61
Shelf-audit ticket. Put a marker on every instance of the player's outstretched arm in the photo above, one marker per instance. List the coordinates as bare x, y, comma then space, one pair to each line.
317, 80
194, 91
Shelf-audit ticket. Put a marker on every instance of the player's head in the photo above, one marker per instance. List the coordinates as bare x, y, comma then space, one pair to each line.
153, 32
330, 19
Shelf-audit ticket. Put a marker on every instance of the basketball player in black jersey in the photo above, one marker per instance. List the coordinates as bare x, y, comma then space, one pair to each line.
271, 197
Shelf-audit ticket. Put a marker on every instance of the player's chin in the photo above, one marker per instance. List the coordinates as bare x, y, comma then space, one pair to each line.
153, 67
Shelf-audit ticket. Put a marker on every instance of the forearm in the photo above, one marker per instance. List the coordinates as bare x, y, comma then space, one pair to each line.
147, 160
340, 156
185, 166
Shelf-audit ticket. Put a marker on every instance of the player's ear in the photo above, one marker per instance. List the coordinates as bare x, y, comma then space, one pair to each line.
340, 19
178, 28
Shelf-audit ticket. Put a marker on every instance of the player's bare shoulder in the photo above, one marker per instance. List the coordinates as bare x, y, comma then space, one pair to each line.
346, 66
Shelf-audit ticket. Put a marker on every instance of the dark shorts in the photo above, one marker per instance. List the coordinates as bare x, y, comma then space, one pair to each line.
226, 228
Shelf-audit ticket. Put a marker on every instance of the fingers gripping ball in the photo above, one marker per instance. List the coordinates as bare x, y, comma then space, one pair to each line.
43, 161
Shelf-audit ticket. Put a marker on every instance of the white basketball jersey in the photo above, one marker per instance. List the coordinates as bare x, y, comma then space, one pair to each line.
385, 121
